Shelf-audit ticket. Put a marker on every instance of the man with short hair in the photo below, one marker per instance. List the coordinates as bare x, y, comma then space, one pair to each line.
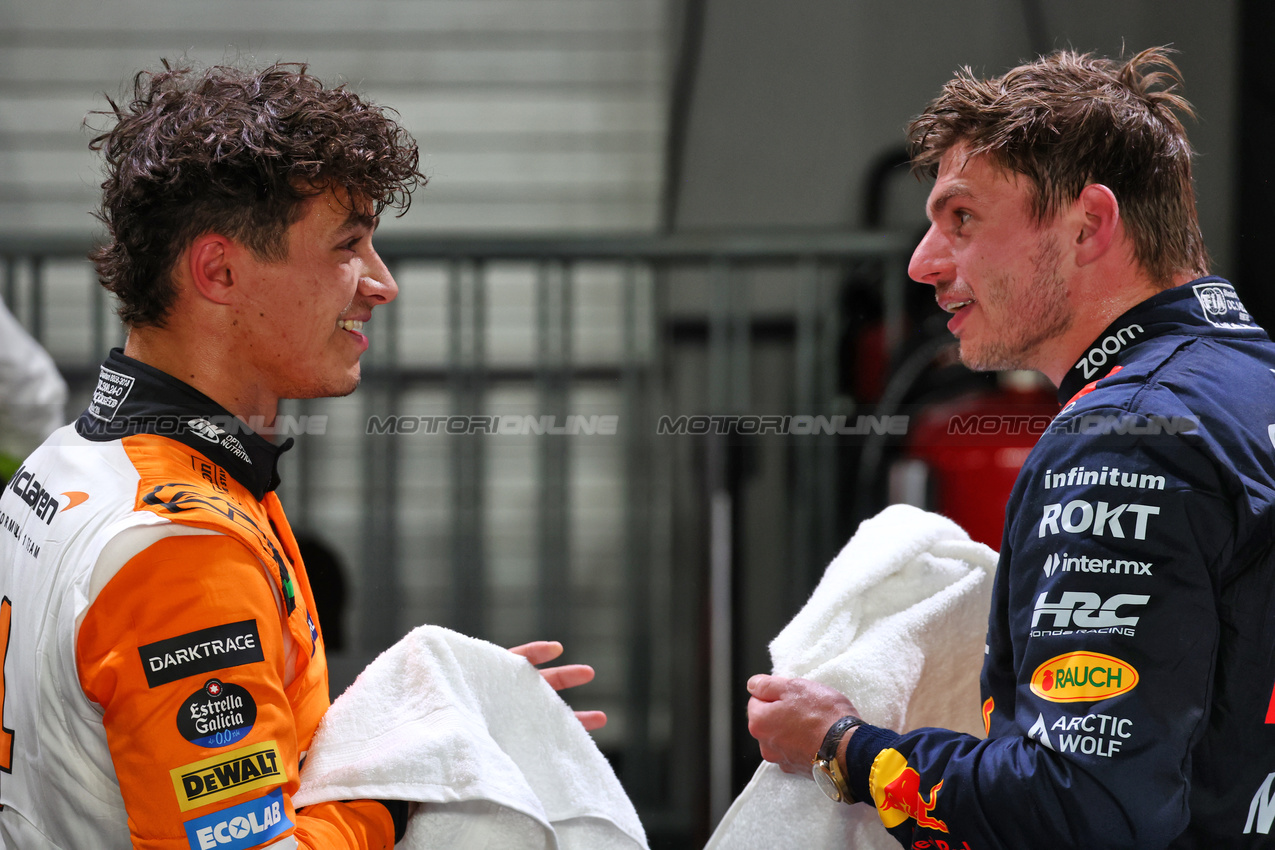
164, 671
1128, 678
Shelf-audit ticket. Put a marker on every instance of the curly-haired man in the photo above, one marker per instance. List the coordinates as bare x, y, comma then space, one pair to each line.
1128, 678
164, 668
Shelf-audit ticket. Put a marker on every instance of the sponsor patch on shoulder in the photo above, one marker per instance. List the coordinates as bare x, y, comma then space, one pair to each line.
247, 825
217, 715
227, 775
1083, 677
203, 651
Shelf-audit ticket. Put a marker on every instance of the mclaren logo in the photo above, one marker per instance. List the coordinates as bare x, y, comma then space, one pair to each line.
74, 498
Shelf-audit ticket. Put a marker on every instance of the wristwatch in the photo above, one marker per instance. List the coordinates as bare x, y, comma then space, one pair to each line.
824, 766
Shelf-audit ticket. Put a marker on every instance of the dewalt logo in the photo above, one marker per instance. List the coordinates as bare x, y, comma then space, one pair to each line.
1083, 677
227, 775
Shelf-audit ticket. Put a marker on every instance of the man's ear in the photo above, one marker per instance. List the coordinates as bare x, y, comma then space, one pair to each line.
208, 262
1098, 213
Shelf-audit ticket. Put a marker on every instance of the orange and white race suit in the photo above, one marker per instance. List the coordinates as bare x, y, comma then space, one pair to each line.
163, 670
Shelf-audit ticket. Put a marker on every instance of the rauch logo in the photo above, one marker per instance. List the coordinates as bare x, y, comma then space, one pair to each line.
1083, 677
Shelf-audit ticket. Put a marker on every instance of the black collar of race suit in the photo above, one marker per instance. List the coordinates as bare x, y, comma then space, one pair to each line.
1207, 306
134, 398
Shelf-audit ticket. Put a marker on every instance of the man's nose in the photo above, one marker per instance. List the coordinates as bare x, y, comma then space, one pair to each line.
377, 283
932, 259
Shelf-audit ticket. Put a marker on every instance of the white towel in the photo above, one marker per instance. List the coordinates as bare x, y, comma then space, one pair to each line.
898, 624
473, 732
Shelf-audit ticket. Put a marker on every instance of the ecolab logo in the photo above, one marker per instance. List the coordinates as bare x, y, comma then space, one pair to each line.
1077, 611
1082, 564
1099, 519
240, 827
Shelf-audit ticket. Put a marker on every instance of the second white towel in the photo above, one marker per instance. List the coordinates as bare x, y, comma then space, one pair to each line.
898, 624
475, 734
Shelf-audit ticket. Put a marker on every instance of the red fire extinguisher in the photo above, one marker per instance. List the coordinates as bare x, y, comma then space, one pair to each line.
963, 455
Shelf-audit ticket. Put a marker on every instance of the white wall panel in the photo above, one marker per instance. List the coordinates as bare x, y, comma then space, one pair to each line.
531, 114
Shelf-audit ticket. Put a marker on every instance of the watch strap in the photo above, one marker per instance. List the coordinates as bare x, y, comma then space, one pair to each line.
832, 740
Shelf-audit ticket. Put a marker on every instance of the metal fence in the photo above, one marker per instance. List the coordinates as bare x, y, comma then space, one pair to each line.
533, 453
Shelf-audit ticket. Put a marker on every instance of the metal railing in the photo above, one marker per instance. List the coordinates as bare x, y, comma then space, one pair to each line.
628, 547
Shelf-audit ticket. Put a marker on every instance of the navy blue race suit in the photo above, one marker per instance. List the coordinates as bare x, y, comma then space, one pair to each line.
1131, 642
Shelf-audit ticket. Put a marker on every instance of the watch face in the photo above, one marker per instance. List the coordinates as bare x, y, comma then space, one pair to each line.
826, 783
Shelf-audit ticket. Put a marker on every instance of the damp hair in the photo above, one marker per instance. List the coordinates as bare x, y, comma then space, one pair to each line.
235, 152
1071, 119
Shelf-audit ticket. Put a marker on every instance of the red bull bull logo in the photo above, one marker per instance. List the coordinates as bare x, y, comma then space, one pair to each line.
896, 790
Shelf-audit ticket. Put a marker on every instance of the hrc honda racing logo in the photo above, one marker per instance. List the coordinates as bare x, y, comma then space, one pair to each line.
1078, 612
247, 825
